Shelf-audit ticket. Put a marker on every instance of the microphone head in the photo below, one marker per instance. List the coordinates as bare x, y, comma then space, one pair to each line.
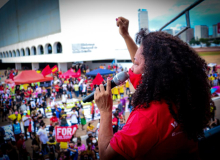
120, 78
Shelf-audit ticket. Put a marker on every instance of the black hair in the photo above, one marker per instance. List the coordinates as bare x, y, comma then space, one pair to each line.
176, 74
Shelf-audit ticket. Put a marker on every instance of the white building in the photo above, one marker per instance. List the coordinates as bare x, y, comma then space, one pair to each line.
44, 31
201, 31
170, 31
143, 18
215, 31
187, 35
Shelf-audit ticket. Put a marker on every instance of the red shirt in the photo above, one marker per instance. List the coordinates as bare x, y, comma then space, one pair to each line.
152, 133
54, 119
1, 88
115, 121
57, 88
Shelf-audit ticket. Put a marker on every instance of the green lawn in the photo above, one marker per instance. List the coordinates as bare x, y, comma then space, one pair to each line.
209, 53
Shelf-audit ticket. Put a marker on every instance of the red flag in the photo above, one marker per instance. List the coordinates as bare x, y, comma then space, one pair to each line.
78, 73
46, 71
98, 79
54, 69
218, 28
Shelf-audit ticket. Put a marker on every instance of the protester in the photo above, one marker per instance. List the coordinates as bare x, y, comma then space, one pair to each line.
90, 128
74, 116
82, 117
53, 119
76, 90
16, 129
172, 100
96, 151
35, 145
52, 105
115, 123
64, 98
81, 147
23, 107
73, 151
63, 121
92, 110
69, 90
212, 110
42, 133
127, 85
26, 121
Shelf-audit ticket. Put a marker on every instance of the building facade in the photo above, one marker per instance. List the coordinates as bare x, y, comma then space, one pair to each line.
143, 18
170, 31
187, 35
201, 31
44, 31
215, 31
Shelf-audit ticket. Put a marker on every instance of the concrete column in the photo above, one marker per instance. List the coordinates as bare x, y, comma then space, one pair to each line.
18, 66
35, 66
62, 67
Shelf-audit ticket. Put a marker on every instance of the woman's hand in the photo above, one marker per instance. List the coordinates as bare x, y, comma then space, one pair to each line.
123, 24
103, 98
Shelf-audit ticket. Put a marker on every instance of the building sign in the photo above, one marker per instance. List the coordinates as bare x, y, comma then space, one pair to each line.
218, 28
83, 47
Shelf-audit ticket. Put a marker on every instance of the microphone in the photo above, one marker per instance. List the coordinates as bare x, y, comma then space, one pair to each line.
117, 80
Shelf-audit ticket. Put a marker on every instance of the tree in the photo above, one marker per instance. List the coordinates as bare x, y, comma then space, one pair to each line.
192, 41
216, 42
203, 40
208, 44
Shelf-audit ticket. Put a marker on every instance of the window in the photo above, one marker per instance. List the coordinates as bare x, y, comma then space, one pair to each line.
4, 55
33, 51
10, 54
28, 53
57, 47
48, 49
7, 54
1, 55
18, 53
22, 52
14, 54
40, 50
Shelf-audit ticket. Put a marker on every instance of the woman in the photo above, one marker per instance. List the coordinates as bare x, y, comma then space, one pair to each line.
35, 145
115, 123
171, 101
81, 147
82, 117
16, 129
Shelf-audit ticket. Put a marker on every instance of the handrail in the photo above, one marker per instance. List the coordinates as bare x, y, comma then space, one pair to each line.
186, 11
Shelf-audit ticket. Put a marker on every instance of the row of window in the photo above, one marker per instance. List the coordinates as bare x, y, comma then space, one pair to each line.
57, 48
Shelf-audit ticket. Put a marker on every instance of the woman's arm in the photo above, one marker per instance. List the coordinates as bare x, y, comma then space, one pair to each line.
104, 102
123, 24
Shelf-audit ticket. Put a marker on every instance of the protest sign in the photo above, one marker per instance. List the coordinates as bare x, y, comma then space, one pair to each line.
64, 134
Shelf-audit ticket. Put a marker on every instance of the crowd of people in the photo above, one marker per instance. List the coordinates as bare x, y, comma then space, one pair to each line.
25, 108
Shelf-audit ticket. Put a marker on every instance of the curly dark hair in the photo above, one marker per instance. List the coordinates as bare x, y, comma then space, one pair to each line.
174, 72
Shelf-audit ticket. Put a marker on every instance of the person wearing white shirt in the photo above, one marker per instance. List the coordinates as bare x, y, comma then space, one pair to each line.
74, 116
81, 81
52, 105
84, 89
38, 90
64, 98
25, 120
64, 87
42, 133
23, 107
